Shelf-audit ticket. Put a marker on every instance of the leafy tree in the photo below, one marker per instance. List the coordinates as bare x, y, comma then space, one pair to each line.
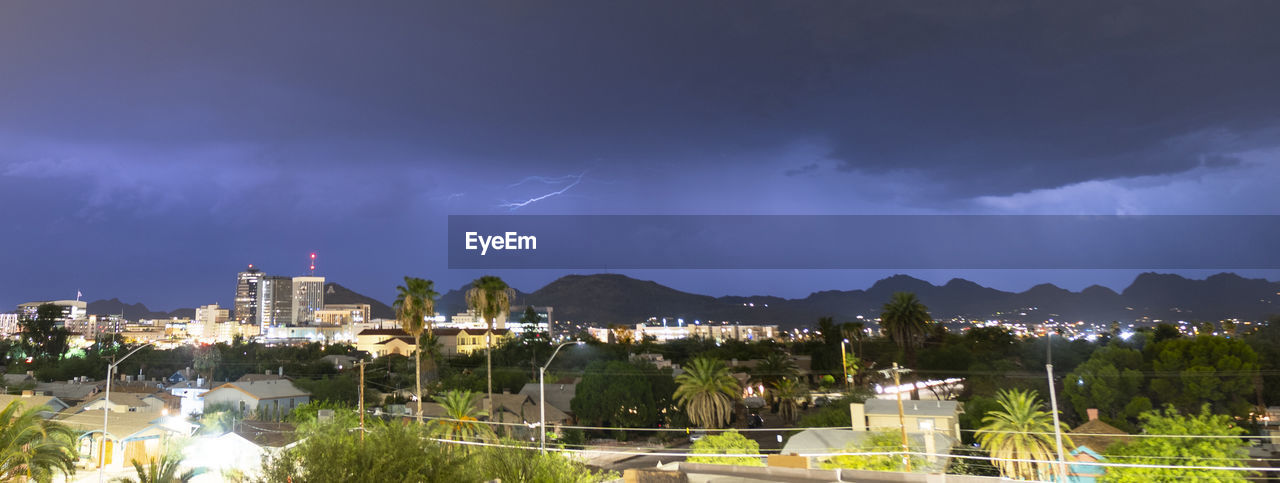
463, 418
906, 321
1266, 343
42, 338
389, 452
1217, 370
788, 391
206, 358
726, 443
1021, 430
1110, 381
530, 321
499, 464
876, 442
1187, 452
621, 394
707, 392
32, 447
773, 368
490, 297
415, 304
970, 419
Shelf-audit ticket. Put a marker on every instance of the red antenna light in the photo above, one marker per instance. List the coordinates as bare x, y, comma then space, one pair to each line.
313, 255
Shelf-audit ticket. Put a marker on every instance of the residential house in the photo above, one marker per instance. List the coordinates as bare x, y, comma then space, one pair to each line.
70, 392
191, 394
128, 436
277, 396
559, 396
383, 342
30, 399
826, 441
124, 402
1092, 439
453, 341
240, 450
921, 416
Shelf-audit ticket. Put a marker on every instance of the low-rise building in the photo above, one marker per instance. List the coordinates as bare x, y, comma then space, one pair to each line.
29, 399
921, 416
272, 397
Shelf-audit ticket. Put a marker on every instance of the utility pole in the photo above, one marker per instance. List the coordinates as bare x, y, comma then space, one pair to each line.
361, 365
902, 420
1053, 400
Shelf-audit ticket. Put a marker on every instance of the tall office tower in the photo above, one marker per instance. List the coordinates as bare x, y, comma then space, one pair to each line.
308, 297
246, 306
275, 302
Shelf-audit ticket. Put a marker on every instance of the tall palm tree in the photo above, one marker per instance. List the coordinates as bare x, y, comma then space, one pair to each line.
1020, 430
415, 303
906, 321
774, 367
462, 421
707, 391
32, 447
490, 297
787, 391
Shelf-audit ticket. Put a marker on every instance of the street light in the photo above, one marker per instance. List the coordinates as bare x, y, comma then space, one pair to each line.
542, 395
106, 408
844, 365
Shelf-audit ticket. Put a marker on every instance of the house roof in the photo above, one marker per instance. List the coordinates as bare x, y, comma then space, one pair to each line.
405, 339
151, 403
260, 377
18, 378
387, 332
31, 401
1097, 435
558, 396
822, 440
271, 389
69, 391
879, 407
124, 425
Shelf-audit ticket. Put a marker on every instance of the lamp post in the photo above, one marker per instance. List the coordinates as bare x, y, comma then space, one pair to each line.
844, 365
106, 408
542, 395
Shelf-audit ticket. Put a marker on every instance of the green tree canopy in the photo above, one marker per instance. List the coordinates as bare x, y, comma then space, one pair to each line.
620, 394
1217, 370
1175, 451
1110, 381
876, 442
727, 443
42, 339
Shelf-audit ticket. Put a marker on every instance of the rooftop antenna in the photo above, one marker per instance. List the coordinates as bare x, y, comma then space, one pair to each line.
313, 264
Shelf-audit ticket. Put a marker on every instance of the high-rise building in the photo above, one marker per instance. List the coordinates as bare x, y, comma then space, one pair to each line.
246, 306
275, 302
72, 310
308, 297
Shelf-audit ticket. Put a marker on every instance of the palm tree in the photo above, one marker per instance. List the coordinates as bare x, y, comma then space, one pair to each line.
787, 391
906, 321
161, 469
707, 391
415, 302
32, 447
463, 419
1020, 430
774, 367
490, 297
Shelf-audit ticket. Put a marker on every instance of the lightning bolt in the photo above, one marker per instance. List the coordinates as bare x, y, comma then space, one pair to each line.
576, 178
548, 179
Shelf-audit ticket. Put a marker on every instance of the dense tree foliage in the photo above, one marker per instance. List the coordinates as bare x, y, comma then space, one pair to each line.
876, 442
42, 338
1191, 371
1187, 452
1112, 382
623, 395
729, 442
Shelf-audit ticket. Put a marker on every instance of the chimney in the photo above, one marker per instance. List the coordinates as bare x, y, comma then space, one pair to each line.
857, 413
1093, 413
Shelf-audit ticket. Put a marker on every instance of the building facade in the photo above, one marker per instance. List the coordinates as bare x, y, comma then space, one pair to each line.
275, 302
246, 303
308, 297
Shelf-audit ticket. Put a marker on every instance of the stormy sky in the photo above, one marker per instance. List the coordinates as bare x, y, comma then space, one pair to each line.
149, 150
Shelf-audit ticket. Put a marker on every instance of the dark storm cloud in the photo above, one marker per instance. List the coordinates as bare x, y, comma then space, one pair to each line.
982, 98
